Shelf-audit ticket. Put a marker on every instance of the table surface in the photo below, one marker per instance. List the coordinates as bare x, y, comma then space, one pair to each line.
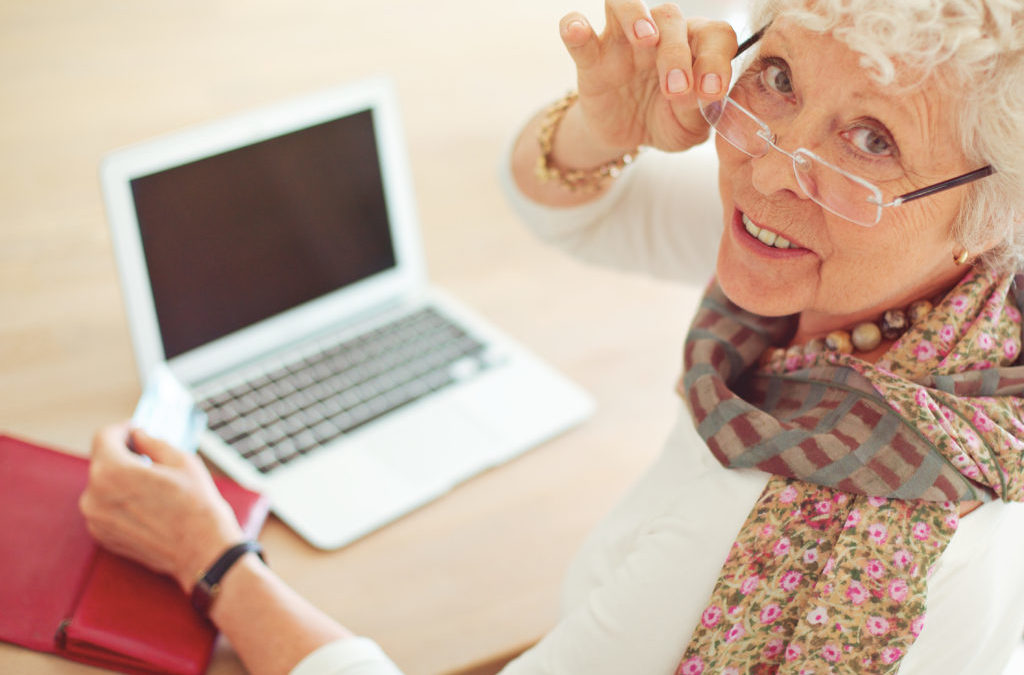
477, 572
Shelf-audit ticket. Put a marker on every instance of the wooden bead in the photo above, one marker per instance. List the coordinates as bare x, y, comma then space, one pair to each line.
894, 323
866, 336
815, 346
839, 341
918, 310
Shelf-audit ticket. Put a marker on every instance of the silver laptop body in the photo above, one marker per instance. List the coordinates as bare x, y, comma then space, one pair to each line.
278, 252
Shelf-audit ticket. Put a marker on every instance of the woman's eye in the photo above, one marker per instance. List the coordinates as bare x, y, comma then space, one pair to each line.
777, 78
869, 141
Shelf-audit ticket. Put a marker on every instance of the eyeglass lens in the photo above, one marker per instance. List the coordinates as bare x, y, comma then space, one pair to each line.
822, 182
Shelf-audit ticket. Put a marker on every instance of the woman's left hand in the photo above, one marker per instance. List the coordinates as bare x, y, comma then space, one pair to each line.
166, 514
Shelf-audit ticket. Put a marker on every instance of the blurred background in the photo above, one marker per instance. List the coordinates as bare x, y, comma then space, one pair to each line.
81, 78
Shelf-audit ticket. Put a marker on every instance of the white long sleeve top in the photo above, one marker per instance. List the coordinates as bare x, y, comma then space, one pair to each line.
635, 591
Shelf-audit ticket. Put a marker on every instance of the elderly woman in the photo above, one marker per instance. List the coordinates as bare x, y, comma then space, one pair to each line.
838, 495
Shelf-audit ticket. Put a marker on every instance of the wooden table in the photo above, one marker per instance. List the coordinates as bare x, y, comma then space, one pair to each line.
475, 574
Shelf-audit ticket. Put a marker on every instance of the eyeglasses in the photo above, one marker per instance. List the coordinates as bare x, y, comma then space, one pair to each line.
835, 189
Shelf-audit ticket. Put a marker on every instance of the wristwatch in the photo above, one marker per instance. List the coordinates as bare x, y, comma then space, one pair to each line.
206, 588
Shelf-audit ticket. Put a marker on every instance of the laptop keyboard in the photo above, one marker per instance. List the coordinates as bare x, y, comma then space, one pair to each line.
294, 409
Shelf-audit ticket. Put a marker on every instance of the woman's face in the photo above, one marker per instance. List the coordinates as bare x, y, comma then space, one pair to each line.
837, 271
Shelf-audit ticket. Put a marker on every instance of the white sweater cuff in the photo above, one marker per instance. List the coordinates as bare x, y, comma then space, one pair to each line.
347, 656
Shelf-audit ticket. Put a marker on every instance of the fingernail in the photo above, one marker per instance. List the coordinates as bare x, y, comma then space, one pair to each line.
677, 81
574, 24
643, 28
711, 84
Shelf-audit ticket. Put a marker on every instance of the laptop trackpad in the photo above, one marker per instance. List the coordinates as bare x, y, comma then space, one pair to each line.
377, 474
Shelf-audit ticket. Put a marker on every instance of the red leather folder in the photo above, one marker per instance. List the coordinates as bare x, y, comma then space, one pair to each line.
60, 593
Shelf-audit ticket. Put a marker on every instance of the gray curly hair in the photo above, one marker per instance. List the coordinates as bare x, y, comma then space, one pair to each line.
976, 46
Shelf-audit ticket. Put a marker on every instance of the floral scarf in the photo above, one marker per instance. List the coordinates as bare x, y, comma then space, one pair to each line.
869, 462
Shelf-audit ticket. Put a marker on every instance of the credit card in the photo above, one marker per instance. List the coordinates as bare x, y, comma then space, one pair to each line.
166, 410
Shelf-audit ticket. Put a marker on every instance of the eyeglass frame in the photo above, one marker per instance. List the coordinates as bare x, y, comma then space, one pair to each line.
766, 134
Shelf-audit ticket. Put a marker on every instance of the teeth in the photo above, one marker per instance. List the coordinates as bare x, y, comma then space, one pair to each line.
754, 230
765, 236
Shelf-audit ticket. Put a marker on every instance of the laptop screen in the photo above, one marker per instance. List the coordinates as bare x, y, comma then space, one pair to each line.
239, 237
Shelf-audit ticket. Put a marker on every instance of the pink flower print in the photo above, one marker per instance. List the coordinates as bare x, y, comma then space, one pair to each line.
952, 520
767, 530
831, 653
811, 556
917, 625
877, 502
789, 495
735, 633
856, 593
925, 351
984, 364
947, 334
898, 590
781, 547
749, 584
830, 565
817, 616
960, 303
891, 655
971, 472
1013, 314
839, 499
793, 652
790, 580
874, 569
947, 413
983, 423
1010, 350
878, 533
852, 519
921, 398
877, 625
770, 613
711, 616
921, 531
902, 559
971, 439
823, 508
985, 341
692, 666
772, 649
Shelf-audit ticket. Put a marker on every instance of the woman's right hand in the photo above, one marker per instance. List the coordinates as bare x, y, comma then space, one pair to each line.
639, 81
166, 514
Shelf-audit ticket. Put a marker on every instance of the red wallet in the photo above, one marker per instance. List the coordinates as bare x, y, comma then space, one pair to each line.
62, 594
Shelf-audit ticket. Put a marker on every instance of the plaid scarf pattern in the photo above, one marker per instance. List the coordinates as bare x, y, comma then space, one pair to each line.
869, 463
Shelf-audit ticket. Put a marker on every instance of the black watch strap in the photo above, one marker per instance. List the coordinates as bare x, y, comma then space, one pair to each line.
205, 590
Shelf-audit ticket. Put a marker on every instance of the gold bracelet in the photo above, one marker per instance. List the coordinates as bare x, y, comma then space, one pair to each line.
574, 180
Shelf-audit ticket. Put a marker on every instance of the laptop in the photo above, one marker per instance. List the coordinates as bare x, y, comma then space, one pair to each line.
272, 262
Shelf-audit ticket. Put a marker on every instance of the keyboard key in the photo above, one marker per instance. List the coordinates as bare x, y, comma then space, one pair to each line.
302, 403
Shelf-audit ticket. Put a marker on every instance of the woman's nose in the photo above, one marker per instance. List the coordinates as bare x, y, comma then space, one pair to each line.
774, 173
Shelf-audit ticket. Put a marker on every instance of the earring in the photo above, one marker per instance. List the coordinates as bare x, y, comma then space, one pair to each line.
962, 258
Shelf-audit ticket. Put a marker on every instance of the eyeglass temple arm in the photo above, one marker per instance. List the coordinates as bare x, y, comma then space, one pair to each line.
968, 177
750, 41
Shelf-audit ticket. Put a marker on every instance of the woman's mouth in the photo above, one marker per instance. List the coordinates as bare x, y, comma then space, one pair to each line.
766, 237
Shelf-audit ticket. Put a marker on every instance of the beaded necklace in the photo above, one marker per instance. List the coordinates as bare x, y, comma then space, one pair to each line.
864, 337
